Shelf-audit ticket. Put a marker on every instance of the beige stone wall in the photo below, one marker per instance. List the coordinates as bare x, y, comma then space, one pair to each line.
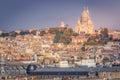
85, 24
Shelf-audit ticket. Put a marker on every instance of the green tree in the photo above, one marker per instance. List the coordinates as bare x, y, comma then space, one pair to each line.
24, 32
42, 33
66, 36
14, 34
4, 34
63, 36
91, 43
83, 48
104, 37
57, 37
111, 38
75, 34
52, 31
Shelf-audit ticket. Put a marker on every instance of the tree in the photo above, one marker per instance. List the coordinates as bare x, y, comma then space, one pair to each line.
57, 37
42, 33
91, 43
4, 34
52, 31
14, 34
63, 36
83, 48
75, 34
33, 32
104, 37
80, 57
24, 32
111, 38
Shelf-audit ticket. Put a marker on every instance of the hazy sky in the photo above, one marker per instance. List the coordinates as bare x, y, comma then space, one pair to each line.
25, 14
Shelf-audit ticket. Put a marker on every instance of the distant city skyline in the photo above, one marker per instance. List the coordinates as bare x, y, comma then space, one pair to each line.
27, 14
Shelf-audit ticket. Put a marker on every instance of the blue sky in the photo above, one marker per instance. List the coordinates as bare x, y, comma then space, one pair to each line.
26, 14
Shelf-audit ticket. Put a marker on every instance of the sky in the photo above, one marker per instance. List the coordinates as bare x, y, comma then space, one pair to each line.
26, 14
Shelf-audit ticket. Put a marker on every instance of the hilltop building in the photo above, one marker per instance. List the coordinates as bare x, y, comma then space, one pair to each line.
59, 28
62, 24
85, 24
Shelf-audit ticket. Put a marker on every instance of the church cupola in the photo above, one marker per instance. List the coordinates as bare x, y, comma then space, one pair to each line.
85, 16
84, 24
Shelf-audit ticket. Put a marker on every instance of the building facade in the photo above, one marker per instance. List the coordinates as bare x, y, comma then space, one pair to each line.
84, 24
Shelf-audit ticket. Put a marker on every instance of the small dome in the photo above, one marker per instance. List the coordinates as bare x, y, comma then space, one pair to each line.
62, 24
31, 67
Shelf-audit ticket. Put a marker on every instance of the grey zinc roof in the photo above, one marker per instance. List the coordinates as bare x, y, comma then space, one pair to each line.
110, 69
76, 69
52, 69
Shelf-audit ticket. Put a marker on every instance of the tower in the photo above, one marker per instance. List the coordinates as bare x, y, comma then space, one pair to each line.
62, 24
84, 24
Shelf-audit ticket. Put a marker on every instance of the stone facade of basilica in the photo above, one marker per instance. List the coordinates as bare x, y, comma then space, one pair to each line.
84, 24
